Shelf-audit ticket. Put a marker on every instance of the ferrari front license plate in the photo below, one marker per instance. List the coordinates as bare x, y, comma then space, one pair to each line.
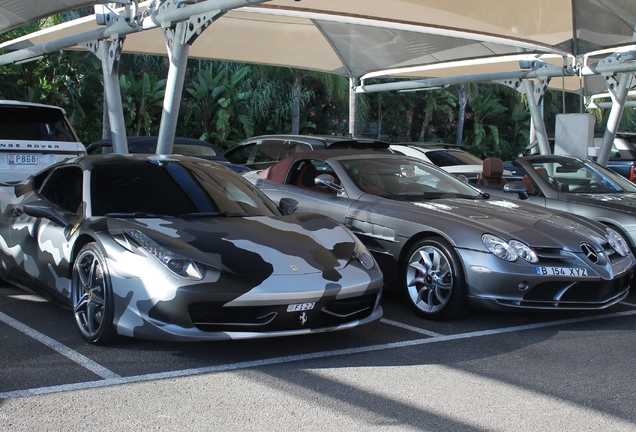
561, 271
300, 307
22, 159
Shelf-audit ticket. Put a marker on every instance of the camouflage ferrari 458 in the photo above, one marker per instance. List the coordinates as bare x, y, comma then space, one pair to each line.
180, 248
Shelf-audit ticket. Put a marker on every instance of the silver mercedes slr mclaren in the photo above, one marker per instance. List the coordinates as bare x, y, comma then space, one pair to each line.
180, 248
449, 247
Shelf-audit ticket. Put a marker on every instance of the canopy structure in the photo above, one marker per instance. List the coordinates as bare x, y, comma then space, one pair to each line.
426, 39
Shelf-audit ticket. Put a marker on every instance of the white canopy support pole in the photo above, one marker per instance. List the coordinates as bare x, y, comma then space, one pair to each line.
179, 38
535, 98
109, 53
618, 92
353, 107
178, 56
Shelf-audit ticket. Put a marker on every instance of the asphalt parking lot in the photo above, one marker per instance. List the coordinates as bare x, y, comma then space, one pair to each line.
488, 371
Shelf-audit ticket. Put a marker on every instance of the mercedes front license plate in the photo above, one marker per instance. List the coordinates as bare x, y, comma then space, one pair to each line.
562, 271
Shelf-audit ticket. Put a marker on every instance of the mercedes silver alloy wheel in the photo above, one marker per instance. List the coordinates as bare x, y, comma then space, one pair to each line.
434, 281
92, 296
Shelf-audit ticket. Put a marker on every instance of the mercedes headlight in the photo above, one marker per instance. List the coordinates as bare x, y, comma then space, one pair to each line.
179, 265
524, 251
617, 242
499, 247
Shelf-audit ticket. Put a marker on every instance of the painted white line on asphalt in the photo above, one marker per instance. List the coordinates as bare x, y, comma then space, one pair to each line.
303, 357
83, 361
410, 327
628, 304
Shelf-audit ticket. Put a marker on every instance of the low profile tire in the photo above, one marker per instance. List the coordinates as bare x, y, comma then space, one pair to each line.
434, 280
93, 296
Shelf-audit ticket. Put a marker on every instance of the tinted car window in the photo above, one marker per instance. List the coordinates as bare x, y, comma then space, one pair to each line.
444, 158
295, 147
36, 124
186, 187
269, 151
64, 188
240, 155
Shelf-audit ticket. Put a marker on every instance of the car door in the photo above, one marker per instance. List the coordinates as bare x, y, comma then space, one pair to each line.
44, 247
310, 199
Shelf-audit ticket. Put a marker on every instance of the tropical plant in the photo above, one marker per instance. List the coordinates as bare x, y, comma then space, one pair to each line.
217, 99
142, 100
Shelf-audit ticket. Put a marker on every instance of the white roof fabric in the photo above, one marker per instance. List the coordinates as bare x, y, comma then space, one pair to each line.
356, 37
14, 13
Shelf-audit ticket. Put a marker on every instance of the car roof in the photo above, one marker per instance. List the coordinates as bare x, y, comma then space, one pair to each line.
429, 145
87, 162
138, 142
324, 139
5, 103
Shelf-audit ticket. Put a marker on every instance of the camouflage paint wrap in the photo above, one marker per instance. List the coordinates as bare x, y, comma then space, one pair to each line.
252, 267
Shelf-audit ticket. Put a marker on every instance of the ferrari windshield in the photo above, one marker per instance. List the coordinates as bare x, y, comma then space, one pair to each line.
404, 178
158, 188
581, 176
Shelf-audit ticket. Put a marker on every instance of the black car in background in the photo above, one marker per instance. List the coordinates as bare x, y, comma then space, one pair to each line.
181, 146
262, 151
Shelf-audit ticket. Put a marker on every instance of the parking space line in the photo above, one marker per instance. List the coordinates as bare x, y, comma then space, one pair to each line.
410, 327
300, 357
78, 358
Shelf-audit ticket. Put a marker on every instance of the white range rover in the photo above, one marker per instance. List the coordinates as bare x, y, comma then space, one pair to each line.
32, 137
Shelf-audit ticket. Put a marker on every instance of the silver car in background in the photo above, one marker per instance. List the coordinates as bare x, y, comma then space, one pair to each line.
578, 186
448, 247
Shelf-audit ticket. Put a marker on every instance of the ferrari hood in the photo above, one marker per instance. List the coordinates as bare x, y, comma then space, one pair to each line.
258, 245
531, 224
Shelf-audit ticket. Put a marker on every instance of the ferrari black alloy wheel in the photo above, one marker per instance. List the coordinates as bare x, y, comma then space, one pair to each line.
92, 296
434, 280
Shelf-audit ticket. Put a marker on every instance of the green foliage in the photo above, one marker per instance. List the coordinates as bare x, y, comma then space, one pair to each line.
216, 98
142, 100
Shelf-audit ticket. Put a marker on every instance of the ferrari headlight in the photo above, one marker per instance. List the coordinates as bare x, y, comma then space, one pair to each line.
174, 262
524, 251
361, 254
617, 242
500, 247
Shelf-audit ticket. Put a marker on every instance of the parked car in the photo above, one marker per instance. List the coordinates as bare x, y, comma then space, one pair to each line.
263, 151
32, 137
622, 157
578, 186
177, 248
451, 158
181, 146
448, 247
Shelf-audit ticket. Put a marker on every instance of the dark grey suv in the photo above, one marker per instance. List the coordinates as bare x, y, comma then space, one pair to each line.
260, 152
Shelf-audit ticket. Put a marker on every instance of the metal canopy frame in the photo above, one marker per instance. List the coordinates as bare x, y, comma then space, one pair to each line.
618, 70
